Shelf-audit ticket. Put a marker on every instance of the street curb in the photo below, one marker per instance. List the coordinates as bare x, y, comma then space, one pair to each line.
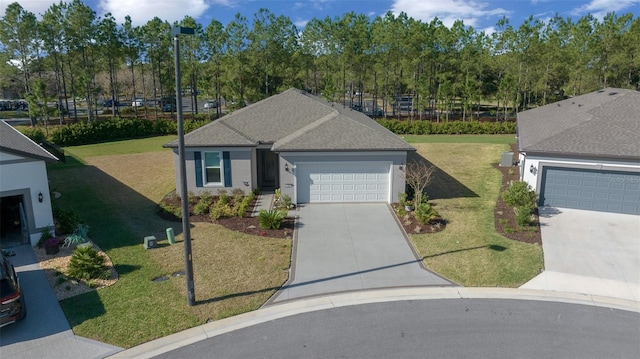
277, 311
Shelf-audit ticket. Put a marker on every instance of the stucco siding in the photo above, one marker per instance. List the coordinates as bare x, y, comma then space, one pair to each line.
241, 173
29, 179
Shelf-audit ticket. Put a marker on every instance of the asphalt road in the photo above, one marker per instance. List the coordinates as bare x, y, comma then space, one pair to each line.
459, 328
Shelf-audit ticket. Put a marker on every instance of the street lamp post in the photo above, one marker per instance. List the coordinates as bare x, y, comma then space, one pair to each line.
176, 31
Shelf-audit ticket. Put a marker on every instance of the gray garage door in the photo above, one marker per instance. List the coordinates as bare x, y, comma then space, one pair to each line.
597, 190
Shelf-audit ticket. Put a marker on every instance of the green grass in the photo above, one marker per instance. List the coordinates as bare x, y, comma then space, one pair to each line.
115, 187
150, 144
494, 139
116, 195
470, 251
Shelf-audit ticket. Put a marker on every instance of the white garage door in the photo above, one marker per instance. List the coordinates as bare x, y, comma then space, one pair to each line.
343, 182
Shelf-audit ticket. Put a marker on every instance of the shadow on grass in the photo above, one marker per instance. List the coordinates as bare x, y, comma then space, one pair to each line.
83, 307
493, 247
443, 185
125, 268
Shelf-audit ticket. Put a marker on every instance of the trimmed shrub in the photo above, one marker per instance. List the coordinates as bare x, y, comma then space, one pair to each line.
84, 133
221, 209
86, 263
425, 127
425, 213
519, 194
523, 216
271, 219
34, 133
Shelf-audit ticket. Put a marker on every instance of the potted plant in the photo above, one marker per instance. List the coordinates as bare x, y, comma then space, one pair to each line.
52, 245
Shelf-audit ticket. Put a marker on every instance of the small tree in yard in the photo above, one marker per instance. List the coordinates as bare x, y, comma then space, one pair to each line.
418, 175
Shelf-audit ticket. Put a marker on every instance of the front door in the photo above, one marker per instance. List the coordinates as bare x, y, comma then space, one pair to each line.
267, 169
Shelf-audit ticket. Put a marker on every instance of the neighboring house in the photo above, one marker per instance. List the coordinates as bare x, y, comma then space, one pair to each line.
24, 187
313, 150
584, 152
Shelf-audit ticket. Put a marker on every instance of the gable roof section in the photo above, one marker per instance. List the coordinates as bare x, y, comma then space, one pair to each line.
295, 121
600, 124
13, 141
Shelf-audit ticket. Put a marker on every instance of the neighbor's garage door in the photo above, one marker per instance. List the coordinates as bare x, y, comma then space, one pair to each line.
343, 182
597, 190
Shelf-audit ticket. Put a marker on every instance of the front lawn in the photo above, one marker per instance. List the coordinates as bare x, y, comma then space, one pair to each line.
465, 189
117, 195
115, 188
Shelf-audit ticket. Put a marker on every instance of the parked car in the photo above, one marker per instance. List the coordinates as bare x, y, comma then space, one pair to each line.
110, 103
211, 104
138, 102
169, 107
12, 308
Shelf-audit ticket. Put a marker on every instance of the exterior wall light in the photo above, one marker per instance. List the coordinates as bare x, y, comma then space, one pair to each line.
532, 168
40, 197
286, 167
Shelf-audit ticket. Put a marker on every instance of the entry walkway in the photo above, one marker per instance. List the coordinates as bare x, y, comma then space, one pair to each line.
351, 247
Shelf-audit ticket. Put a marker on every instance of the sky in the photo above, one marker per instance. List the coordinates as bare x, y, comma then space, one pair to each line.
481, 14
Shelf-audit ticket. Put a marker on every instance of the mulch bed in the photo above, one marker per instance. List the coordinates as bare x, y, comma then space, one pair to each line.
411, 225
505, 217
246, 224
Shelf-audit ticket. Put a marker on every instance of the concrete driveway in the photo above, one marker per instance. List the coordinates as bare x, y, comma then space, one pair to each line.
45, 332
351, 247
590, 252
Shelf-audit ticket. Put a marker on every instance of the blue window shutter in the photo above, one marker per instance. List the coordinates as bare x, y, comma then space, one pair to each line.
197, 161
226, 163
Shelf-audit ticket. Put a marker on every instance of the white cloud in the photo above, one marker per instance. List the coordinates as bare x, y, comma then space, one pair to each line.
38, 7
489, 30
301, 23
141, 11
448, 12
599, 8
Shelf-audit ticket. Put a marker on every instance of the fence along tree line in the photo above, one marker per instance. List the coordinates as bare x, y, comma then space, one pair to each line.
81, 55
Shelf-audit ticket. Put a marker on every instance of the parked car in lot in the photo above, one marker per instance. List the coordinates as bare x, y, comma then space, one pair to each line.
138, 102
211, 104
169, 107
110, 103
12, 308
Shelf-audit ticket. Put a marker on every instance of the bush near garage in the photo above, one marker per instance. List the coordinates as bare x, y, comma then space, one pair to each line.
448, 128
522, 198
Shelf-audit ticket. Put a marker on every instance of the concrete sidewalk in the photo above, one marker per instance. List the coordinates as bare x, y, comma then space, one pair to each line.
45, 332
341, 247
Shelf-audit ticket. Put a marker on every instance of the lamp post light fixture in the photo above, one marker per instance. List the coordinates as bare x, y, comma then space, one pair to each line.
176, 31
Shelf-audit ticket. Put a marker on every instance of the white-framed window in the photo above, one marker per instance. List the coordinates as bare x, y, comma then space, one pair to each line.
212, 163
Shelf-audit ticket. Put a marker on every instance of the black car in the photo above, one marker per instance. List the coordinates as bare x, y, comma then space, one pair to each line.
110, 103
12, 306
169, 108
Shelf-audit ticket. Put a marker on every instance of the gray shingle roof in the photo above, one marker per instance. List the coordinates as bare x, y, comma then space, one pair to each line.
295, 121
12, 141
601, 124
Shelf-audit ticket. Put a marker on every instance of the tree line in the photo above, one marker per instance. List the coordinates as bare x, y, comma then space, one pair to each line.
77, 54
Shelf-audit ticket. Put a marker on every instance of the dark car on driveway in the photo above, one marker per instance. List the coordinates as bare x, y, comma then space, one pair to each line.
12, 306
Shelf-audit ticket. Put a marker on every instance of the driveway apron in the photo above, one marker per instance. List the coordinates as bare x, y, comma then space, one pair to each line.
590, 252
45, 332
351, 247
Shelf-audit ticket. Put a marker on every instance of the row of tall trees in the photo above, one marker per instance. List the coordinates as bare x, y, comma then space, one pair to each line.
79, 54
